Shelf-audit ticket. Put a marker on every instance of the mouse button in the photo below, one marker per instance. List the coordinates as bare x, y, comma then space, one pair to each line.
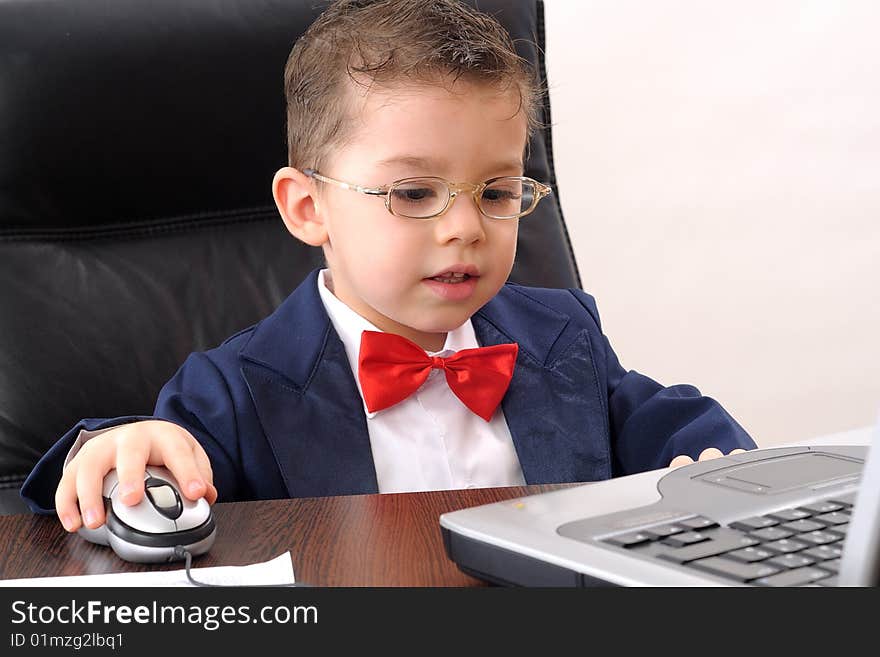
164, 497
143, 517
111, 480
194, 514
160, 473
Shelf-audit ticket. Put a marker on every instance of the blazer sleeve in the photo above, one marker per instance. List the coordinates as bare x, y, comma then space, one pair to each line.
38, 489
196, 398
650, 424
199, 399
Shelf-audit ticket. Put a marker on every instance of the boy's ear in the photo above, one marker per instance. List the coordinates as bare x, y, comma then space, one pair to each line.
294, 195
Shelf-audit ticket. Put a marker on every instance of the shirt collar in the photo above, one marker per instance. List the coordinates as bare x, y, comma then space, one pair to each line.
349, 326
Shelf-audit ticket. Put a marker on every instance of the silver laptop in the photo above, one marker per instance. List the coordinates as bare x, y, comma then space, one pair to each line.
785, 516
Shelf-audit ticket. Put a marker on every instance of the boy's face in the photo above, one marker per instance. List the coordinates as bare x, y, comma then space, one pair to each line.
385, 266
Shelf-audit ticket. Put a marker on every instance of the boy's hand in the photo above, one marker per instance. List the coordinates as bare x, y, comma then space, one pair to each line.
705, 455
129, 448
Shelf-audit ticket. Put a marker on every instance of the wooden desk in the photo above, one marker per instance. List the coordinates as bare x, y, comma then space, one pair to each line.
358, 540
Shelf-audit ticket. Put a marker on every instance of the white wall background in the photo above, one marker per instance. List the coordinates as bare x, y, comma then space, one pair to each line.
719, 172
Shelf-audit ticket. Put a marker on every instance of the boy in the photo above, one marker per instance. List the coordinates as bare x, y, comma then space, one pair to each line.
388, 102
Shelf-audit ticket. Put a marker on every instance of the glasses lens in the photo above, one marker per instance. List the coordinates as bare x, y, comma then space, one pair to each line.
506, 198
418, 197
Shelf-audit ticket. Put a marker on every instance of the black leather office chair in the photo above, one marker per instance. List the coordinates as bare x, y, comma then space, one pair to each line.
137, 146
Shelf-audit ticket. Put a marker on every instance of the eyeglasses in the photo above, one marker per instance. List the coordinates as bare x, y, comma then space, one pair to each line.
506, 197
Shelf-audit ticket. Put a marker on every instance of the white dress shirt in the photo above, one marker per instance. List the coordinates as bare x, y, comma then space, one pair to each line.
429, 441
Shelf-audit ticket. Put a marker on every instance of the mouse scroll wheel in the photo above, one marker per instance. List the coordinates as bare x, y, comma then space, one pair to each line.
163, 496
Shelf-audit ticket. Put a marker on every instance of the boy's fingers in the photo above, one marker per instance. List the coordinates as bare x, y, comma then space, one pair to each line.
90, 473
178, 457
706, 455
205, 470
65, 500
710, 453
131, 459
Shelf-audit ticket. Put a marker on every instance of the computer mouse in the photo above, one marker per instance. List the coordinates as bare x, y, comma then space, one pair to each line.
149, 531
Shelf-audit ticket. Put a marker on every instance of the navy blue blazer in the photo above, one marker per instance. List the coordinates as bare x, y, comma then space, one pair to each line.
278, 412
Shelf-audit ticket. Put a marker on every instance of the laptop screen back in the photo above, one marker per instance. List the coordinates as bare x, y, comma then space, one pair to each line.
860, 564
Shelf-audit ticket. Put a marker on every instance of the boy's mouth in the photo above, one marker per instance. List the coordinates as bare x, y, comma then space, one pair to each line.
455, 284
451, 277
456, 274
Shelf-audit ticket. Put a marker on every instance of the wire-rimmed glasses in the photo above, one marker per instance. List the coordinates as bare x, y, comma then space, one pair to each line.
425, 197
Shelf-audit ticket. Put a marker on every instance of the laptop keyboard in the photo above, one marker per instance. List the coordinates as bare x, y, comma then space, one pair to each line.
798, 546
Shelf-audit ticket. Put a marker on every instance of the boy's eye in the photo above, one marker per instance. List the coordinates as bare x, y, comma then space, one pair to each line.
418, 197
500, 195
507, 197
413, 194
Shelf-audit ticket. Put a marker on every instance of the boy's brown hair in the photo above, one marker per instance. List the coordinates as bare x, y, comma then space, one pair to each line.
382, 42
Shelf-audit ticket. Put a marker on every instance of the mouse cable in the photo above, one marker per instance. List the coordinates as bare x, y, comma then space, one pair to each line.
182, 553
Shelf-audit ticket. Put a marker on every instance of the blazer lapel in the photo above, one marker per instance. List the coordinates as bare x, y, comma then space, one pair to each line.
307, 401
311, 412
554, 406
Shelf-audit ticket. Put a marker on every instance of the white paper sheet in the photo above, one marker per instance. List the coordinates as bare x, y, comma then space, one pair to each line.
275, 571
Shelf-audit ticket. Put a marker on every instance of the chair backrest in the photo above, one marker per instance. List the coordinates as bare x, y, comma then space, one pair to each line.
137, 146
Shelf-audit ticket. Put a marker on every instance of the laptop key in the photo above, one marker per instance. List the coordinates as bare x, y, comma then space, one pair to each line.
750, 554
840, 530
771, 533
629, 540
833, 518
846, 501
822, 507
723, 540
828, 581
685, 538
796, 577
698, 522
662, 531
785, 546
787, 515
819, 537
800, 526
737, 570
823, 552
788, 561
757, 522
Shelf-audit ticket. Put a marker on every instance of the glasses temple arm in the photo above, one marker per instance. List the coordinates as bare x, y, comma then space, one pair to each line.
375, 191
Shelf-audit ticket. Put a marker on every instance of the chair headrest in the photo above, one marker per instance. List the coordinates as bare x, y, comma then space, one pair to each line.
135, 111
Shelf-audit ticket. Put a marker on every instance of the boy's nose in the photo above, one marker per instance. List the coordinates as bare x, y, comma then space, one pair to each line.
462, 221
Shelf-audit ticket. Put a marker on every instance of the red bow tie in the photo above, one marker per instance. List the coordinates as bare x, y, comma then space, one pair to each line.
391, 368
